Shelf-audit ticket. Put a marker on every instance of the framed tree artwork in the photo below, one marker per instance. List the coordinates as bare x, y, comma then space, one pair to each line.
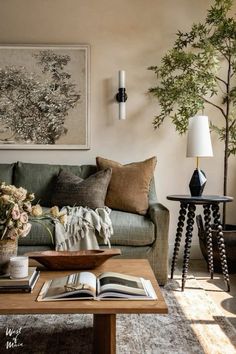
44, 97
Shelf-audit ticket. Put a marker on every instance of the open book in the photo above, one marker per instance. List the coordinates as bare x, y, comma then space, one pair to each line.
107, 286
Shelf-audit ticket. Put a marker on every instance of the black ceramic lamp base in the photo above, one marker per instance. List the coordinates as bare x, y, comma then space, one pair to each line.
197, 183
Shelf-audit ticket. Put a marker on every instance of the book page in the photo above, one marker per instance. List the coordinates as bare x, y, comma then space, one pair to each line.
73, 285
120, 283
149, 288
82, 281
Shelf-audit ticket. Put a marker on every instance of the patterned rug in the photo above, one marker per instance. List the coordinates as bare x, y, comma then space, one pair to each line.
194, 325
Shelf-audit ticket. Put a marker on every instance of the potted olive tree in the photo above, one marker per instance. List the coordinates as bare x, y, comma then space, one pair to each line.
200, 67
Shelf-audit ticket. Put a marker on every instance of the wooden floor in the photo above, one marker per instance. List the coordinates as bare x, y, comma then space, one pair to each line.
215, 288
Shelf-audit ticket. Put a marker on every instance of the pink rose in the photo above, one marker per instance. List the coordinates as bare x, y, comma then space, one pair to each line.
26, 229
15, 213
36, 210
5, 199
54, 211
24, 218
20, 193
5, 189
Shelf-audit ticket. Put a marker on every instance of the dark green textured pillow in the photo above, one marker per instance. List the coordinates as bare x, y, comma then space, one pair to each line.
90, 192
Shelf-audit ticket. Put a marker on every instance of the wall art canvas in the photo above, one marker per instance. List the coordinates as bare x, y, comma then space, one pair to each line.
44, 97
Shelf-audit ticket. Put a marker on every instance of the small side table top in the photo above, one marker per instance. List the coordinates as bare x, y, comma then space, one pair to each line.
200, 200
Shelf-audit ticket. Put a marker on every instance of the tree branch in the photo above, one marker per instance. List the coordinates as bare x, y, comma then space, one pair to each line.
220, 87
215, 105
224, 55
224, 82
232, 124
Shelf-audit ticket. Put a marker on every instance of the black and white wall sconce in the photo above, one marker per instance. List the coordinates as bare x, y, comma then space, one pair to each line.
121, 96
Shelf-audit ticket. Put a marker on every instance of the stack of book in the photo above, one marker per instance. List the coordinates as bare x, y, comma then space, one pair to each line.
20, 285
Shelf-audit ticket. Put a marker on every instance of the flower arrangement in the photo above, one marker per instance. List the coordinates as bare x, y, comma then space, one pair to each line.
16, 211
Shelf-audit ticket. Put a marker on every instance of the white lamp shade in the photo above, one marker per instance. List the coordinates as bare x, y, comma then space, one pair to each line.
199, 139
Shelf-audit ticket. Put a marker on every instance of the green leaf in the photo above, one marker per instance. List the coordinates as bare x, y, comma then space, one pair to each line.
200, 70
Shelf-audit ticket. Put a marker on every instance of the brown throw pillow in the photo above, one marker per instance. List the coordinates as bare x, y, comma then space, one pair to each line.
90, 192
129, 185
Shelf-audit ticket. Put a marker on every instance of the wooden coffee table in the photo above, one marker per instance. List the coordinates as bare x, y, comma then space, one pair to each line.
104, 312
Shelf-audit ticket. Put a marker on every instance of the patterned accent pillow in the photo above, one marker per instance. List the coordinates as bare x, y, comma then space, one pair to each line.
129, 186
71, 190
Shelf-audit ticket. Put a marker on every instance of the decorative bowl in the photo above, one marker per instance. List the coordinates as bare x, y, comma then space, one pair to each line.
63, 260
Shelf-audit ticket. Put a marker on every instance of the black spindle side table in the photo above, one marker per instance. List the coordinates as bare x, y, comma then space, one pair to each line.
211, 208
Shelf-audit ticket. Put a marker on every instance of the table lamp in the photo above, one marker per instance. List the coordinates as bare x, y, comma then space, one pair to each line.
198, 145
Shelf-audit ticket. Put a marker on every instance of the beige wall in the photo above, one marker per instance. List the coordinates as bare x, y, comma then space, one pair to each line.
129, 35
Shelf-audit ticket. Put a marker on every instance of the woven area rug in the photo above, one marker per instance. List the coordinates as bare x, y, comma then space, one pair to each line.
194, 325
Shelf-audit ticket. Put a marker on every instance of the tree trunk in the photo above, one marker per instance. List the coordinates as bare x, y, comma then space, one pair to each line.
225, 174
226, 152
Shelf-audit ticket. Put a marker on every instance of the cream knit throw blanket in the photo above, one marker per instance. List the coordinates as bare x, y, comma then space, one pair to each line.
81, 228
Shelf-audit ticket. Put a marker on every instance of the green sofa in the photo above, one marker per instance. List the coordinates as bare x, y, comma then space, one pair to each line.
137, 236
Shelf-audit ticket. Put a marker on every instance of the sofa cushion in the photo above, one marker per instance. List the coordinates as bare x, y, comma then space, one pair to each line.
90, 192
40, 178
6, 173
39, 235
131, 229
129, 186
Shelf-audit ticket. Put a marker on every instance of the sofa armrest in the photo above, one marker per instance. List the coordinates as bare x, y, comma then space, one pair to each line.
159, 215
